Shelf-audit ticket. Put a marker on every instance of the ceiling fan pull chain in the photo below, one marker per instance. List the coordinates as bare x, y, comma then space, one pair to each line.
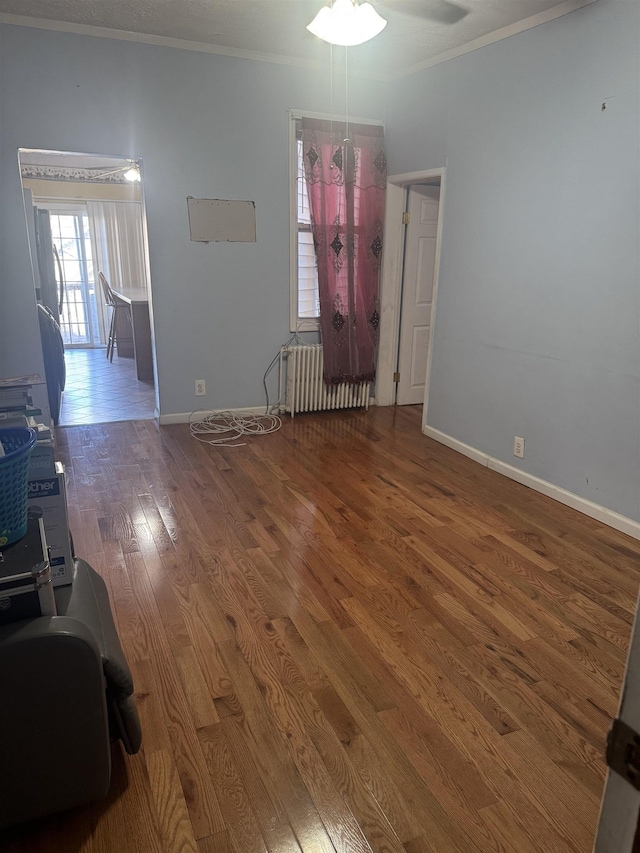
346, 94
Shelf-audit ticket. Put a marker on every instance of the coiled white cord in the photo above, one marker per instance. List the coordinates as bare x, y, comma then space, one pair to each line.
229, 427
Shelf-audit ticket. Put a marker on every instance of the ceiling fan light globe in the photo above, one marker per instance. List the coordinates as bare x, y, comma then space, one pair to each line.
347, 24
321, 25
370, 22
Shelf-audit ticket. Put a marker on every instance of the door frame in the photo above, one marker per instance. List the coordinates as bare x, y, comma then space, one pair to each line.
619, 822
391, 281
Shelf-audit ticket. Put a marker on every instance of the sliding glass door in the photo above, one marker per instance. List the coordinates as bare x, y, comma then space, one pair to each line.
74, 265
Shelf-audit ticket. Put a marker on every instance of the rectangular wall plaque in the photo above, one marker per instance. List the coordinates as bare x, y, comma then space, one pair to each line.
220, 220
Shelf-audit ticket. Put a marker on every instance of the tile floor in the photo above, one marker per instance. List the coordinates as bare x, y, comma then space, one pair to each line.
98, 391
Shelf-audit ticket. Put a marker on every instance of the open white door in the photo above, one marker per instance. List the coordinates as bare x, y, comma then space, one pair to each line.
417, 292
618, 825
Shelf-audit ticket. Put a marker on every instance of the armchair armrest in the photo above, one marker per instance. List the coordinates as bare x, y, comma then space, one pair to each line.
54, 736
88, 600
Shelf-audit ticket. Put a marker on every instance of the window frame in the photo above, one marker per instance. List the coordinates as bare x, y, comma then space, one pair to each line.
297, 323
87, 282
302, 227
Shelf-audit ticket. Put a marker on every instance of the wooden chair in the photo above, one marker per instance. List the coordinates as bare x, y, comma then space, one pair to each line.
118, 307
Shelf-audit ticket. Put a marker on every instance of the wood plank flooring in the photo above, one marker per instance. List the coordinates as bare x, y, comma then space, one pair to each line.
345, 637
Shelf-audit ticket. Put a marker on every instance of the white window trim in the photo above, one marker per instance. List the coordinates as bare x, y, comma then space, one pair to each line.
303, 324
60, 207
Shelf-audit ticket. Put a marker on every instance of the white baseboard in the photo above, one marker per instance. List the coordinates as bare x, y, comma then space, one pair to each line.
187, 417
600, 513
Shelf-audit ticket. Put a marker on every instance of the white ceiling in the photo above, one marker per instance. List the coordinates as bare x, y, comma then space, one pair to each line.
275, 30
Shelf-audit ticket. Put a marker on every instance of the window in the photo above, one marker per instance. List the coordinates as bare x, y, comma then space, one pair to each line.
304, 297
305, 303
308, 299
70, 237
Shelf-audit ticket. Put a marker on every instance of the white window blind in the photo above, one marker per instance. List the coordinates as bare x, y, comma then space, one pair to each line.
307, 273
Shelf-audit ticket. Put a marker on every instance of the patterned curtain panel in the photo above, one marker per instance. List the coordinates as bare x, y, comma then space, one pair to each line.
346, 182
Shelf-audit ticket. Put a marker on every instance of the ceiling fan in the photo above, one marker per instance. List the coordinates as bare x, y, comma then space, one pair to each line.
438, 11
349, 22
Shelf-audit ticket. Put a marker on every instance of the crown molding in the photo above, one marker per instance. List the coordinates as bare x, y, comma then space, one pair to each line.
491, 38
161, 41
297, 62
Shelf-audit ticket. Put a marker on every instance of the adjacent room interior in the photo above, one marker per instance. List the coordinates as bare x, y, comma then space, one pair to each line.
85, 217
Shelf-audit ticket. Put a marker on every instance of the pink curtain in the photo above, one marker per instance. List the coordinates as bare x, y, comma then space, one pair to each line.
346, 182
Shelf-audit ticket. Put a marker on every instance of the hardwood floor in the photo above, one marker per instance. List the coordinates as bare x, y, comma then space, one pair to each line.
345, 637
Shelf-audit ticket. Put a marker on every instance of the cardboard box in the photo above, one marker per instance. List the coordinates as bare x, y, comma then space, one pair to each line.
42, 462
48, 500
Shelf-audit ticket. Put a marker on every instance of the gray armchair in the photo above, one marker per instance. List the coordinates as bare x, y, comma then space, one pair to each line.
65, 692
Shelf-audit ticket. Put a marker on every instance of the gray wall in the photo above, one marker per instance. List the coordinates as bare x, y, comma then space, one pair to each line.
537, 327
206, 126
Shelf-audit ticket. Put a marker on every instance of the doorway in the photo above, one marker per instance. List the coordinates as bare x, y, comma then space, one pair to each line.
85, 216
409, 286
423, 207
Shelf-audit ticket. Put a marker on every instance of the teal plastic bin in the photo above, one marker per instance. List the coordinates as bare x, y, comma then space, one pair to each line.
18, 442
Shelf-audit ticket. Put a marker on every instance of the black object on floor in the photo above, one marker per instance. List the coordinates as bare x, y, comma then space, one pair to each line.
53, 355
67, 691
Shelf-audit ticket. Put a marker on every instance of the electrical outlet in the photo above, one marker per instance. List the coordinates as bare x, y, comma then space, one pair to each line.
518, 447
201, 388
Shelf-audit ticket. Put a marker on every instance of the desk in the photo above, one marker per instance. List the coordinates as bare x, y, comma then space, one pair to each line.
134, 341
